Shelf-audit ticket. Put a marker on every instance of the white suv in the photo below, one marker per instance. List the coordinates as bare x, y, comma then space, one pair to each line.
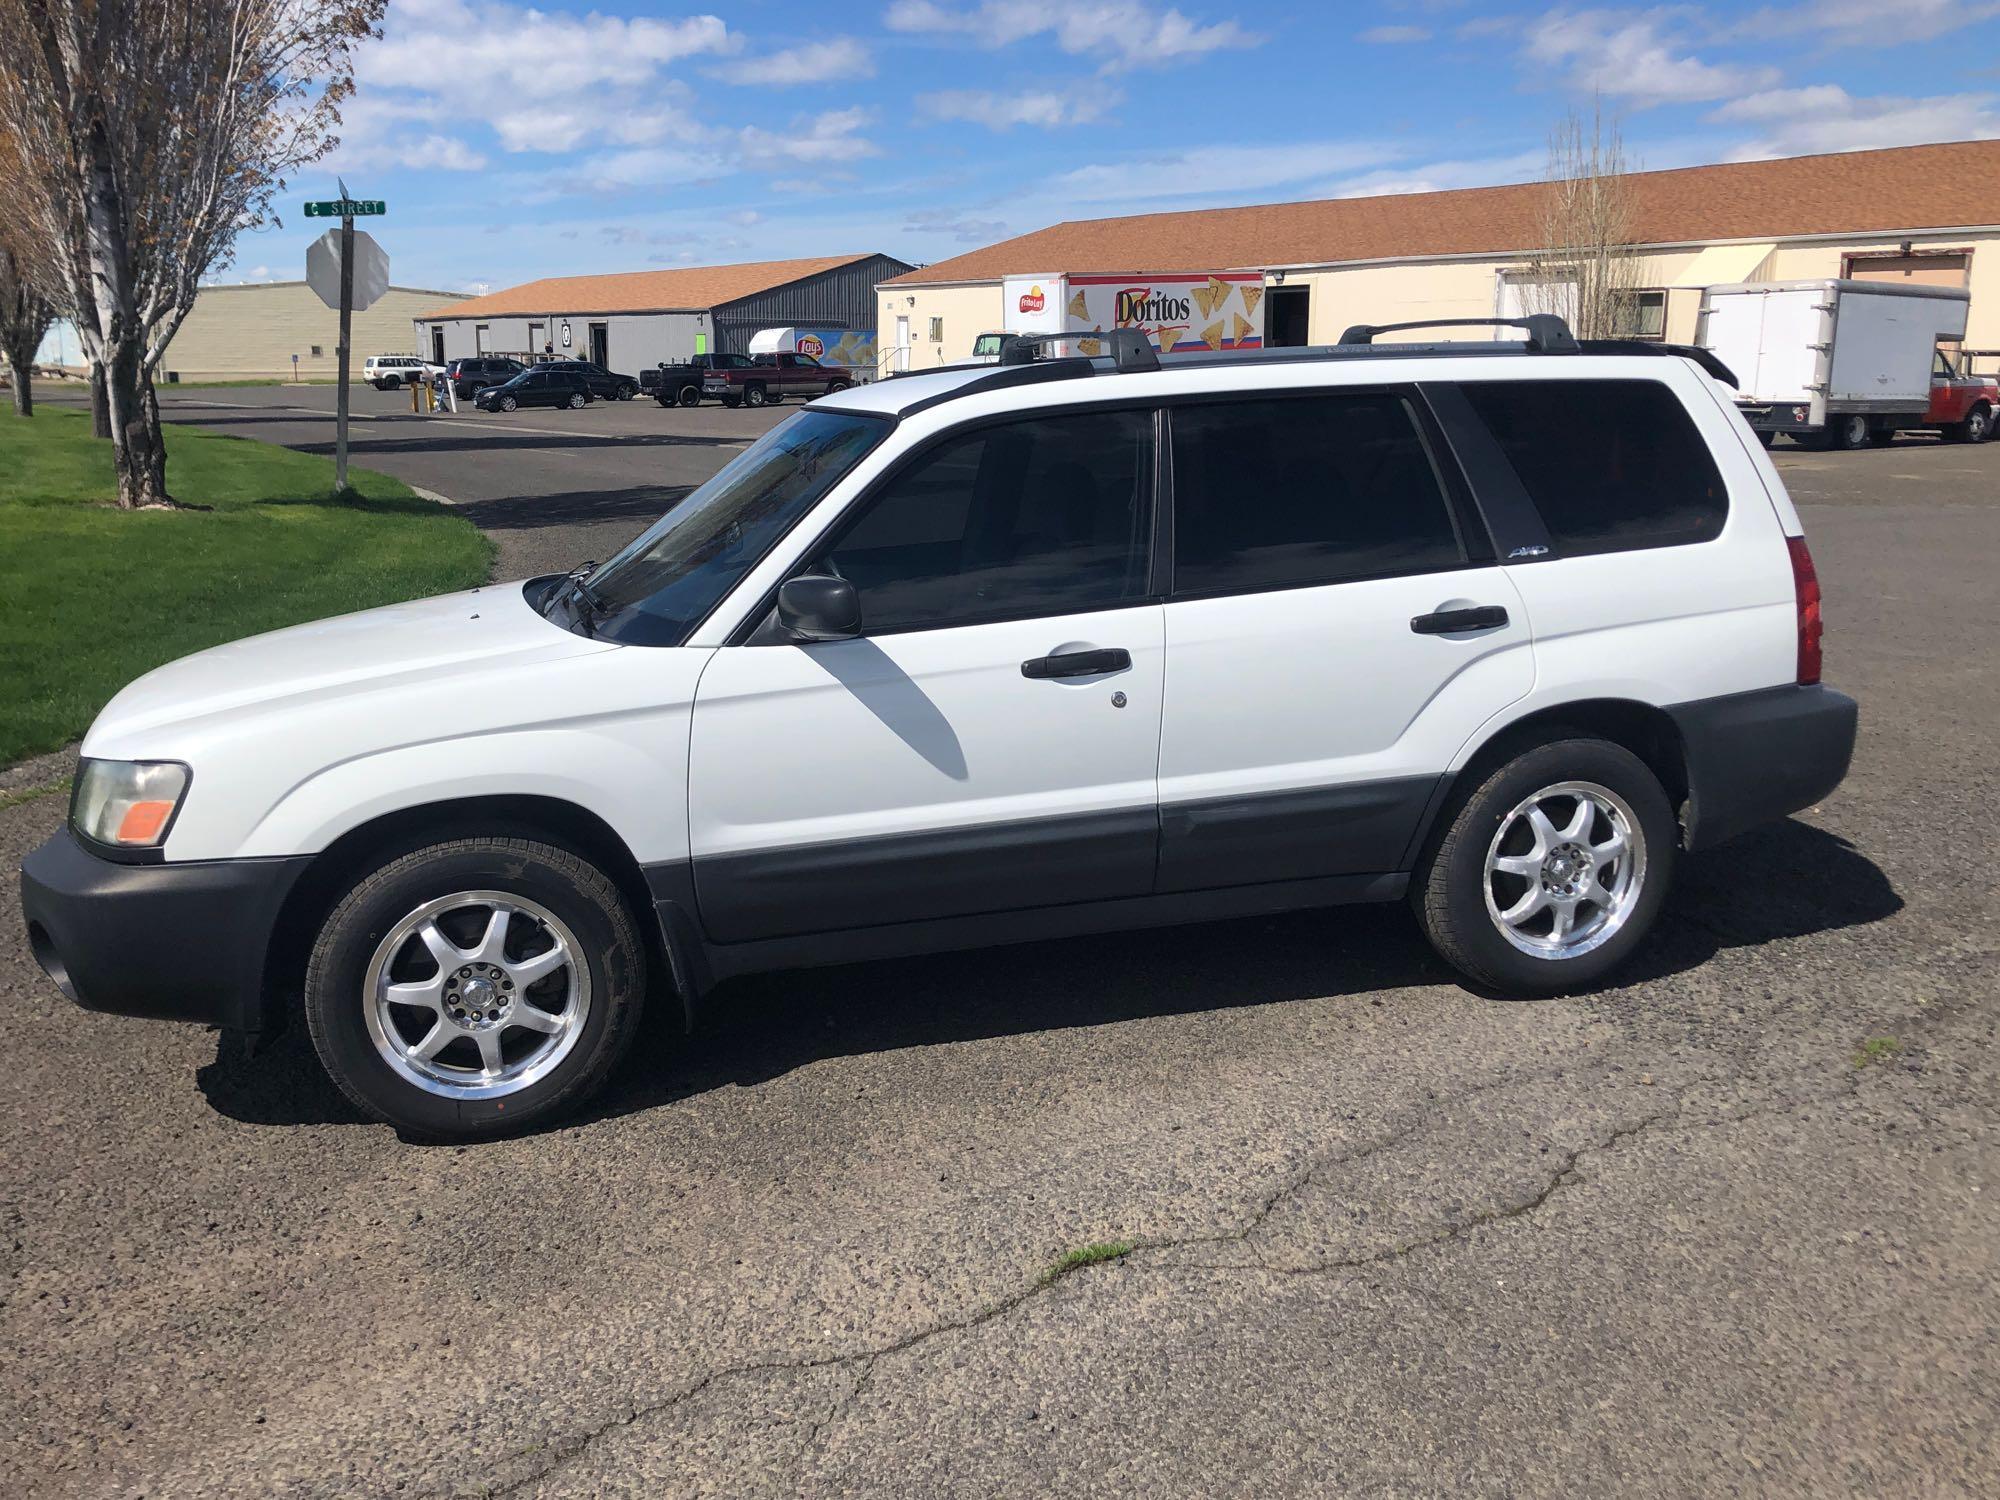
983, 655
388, 371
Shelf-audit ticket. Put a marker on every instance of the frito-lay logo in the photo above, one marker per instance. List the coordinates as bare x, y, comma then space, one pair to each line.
1140, 304
1032, 300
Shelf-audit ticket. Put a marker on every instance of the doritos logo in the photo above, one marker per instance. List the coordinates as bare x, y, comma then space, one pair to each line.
1032, 300
1141, 304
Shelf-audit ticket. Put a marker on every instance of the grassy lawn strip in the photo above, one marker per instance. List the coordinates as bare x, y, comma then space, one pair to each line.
91, 597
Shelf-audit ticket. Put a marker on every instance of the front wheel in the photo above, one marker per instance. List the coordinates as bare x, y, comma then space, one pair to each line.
508, 403
1976, 428
476, 986
833, 386
1552, 871
690, 395
755, 396
627, 392
576, 401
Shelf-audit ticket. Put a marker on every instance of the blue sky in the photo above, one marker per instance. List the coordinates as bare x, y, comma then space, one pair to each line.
514, 141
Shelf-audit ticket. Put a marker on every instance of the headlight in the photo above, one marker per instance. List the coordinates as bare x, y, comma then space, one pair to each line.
127, 803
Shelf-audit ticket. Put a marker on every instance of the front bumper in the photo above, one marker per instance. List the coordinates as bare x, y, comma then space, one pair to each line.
183, 942
1755, 757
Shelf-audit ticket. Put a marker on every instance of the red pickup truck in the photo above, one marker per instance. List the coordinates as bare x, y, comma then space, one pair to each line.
772, 377
1962, 404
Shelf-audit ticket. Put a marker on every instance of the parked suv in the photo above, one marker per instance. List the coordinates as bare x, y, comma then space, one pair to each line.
605, 385
470, 376
388, 371
978, 656
542, 386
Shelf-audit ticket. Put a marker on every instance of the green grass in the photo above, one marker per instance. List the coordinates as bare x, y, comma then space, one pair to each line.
91, 596
22, 794
1877, 1049
1087, 1255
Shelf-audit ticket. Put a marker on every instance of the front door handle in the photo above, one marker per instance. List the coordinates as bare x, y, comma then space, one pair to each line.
1079, 663
1451, 621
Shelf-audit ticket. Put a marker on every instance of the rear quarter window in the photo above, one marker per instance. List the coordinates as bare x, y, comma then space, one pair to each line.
1612, 465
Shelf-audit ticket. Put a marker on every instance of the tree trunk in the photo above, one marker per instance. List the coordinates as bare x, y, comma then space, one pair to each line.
100, 403
138, 451
24, 390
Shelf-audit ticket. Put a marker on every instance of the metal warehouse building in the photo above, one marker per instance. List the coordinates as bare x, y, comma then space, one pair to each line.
255, 330
637, 319
1915, 214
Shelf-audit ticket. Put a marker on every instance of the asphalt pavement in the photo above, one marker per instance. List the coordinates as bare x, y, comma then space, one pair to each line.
1726, 1227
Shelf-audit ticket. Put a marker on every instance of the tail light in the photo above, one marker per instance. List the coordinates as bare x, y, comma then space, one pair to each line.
1805, 590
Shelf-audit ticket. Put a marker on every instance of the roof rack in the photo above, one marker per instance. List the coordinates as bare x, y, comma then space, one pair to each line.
1129, 348
1547, 332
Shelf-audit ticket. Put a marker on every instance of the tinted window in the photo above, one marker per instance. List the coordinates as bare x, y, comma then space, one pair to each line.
1304, 490
1610, 464
1045, 517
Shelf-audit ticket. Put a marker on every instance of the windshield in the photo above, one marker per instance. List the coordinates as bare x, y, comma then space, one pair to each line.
656, 590
986, 343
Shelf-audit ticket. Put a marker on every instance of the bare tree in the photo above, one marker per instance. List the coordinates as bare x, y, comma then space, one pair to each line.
1583, 267
152, 133
25, 312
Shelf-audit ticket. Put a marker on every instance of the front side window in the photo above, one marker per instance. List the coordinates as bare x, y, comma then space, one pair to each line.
665, 581
1045, 517
1612, 465
1303, 490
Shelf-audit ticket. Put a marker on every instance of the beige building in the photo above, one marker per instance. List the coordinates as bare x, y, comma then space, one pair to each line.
1918, 213
252, 332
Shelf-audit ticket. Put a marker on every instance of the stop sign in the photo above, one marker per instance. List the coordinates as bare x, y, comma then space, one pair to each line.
371, 269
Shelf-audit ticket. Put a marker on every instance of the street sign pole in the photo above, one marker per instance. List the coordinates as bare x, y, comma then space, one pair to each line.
346, 323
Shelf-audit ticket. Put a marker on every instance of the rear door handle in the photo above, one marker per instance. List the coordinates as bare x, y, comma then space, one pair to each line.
1451, 621
1079, 663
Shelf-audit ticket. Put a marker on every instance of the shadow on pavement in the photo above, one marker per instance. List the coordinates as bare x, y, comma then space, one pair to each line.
647, 502
1788, 881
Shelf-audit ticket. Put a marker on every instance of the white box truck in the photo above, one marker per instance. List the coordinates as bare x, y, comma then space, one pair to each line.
1846, 363
1180, 312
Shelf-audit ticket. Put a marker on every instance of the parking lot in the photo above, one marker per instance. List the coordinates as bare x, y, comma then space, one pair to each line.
1720, 1228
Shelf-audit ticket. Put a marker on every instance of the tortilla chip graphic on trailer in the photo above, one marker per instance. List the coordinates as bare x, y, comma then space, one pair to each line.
1218, 293
1253, 293
1076, 307
1212, 335
1243, 328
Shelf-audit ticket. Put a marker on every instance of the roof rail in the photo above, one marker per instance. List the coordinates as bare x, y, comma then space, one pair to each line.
1129, 348
1547, 333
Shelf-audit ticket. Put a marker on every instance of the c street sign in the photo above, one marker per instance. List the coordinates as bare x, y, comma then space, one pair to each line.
340, 208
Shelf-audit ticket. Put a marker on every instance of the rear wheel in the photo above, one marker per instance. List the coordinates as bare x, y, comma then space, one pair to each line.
733, 401
575, 402
1851, 432
836, 385
476, 986
1767, 438
1552, 870
690, 395
755, 395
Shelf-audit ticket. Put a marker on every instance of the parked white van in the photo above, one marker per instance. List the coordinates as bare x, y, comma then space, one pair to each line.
988, 654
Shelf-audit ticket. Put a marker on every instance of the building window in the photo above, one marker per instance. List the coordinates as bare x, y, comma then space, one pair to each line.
1644, 315
316, 352
937, 330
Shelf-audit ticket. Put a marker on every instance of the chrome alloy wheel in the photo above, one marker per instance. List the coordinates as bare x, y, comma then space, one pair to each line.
476, 995
1565, 869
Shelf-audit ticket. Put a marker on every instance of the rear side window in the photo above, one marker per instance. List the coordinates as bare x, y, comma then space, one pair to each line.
1045, 517
1612, 465
1305, 490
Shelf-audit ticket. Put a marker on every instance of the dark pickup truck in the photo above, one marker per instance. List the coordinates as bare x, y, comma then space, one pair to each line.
772, 377
680, 385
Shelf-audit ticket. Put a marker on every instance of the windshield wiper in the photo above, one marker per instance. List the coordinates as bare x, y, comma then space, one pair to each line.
575, 590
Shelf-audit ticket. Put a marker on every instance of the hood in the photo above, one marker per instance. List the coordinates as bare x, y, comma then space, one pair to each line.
478, 630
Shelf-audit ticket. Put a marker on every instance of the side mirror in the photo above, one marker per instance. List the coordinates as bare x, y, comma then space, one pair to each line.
817, 607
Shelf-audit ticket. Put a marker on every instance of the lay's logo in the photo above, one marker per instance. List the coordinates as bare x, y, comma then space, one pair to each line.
811, 344
1032, 300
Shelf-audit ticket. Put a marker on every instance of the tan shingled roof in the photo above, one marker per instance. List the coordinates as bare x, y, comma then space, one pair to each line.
1912, 187
690, 288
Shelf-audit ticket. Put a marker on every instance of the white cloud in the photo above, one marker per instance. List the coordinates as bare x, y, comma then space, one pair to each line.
1120, 34
1631, 55
830, 61
1441, 176
1862, 23
960, 227
643, 166
1045, 108
381, 132
1825, 117
831, 137
541, 81
1390, 36
1219, 171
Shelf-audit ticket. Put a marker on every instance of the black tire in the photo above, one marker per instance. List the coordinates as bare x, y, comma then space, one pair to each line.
836, 385
508, 403
690, 395
576, 400
1450, 889
392, 383
1767, 438
1852, 432
1976, 428
732, 400
755, 395
584, 899
627, 392
1882, 437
